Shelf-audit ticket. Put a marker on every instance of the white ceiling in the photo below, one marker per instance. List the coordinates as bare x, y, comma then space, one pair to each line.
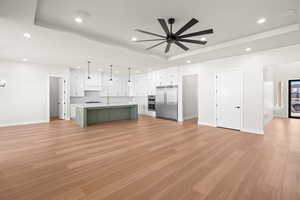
114, 21
104, 36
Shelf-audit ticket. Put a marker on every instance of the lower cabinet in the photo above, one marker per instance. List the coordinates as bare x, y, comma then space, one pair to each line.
73, 111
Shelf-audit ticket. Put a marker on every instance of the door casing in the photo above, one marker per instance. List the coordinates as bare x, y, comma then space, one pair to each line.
65, 102
289, 99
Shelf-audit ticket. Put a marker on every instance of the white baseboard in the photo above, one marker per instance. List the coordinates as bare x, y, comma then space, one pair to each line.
190, 117
254, 131
206, 124
23, 123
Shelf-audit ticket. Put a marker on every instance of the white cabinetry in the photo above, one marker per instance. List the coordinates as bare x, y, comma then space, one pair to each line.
145, 84
79, 82
140, 85
118, 87
152, 81
73, 111
76, 83
94, 83
167, 77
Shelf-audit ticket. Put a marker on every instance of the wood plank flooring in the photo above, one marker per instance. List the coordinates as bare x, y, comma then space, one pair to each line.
149, 159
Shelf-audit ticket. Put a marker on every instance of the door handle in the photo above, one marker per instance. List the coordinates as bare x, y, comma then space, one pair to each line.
237, 107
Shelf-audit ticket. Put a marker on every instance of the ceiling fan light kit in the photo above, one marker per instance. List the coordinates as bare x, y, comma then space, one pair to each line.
176, 38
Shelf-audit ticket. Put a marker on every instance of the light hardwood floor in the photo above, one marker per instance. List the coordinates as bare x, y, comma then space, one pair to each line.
149, 159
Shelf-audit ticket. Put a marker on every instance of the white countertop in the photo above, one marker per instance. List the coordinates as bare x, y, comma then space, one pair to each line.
103, 105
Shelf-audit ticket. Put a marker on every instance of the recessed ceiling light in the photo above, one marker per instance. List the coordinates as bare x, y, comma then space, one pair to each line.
24, 59
248, 49
133, 39
27, 35
78, 67
203, 39
188, 61
79, 20
261, 21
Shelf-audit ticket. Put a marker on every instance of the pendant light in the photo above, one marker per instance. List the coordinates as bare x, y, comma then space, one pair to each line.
3, 83
111, 78
89, 77
129, 78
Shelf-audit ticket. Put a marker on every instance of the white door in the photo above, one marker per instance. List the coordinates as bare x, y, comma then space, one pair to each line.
229, 99
61, 98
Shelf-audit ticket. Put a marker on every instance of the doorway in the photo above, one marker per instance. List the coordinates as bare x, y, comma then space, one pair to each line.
294, 99
228, 99
56, 98
190, 97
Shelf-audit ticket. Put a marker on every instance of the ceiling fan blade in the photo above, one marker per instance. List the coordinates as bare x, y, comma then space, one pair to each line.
149, 33
192, 41
155, 45
168, 47
209, 31
188, 25
181, 45
164, 25
152, 40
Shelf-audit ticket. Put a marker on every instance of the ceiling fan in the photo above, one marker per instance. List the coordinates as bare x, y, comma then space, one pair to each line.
175, 37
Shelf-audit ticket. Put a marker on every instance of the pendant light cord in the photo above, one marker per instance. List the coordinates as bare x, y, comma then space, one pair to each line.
111, 73
89, 62
129, 75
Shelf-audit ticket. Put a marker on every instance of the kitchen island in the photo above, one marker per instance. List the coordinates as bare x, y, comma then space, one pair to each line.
87, 114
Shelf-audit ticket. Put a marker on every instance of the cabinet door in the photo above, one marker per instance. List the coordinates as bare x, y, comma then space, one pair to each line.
94, 83
152, 83
76, 83
73, 111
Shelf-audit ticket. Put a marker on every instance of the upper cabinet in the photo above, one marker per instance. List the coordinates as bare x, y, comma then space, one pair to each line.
118, 87
141, 85
94, 82
145, 84
167, 77
79, 82
76, 83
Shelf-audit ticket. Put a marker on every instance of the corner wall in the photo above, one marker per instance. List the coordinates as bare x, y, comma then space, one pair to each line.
25, 99
269, 97
284, 73
252, 66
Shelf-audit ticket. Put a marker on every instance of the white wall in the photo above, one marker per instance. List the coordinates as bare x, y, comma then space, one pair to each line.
284, 73
25, 99
269, 98
190, 96
253, 88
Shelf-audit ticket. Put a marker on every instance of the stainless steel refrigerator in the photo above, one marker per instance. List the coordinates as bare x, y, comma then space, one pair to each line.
167, 102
